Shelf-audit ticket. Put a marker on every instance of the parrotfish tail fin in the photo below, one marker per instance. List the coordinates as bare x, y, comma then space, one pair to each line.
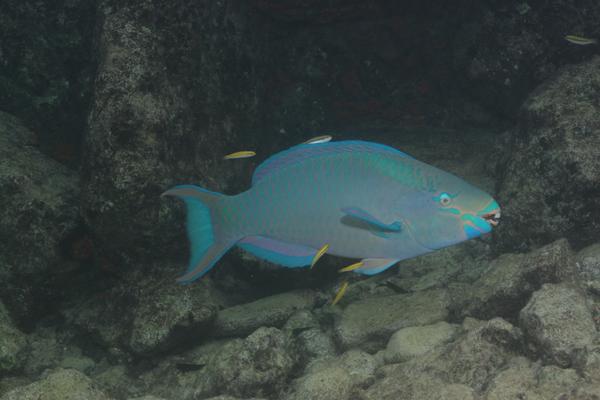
206, 245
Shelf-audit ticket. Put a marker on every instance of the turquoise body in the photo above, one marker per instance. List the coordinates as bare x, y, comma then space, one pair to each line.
364, 200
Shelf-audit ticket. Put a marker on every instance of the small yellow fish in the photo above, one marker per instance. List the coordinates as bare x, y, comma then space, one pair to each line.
352, 267
319, 139
240, 154
340, 293
319, 254
580, 40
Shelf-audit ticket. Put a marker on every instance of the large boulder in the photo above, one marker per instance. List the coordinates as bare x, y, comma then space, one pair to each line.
259, 365
173, 94
504, 288
369, 323
550, 186
415, 341
457, 370
523, 379
60, 384
147, 314
242, 319
39, 208
558, 323
12, 343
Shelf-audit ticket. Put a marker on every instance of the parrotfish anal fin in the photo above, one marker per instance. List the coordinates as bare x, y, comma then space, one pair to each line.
278, 252
362, 215
372, 266
305, 151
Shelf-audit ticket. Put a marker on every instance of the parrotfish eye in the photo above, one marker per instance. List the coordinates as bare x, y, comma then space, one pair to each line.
445, 199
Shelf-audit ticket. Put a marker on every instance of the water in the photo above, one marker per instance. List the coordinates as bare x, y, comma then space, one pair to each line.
104, 105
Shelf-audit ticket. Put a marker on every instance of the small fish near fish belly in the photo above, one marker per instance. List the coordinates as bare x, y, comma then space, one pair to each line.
319, 254
580, 40
351, 267
240, 154
340, 293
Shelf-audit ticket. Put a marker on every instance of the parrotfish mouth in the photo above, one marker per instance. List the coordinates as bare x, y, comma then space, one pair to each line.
492, 218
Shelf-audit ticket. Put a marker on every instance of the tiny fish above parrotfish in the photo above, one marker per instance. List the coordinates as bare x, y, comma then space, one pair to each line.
351, 199
580, 40
319, 139
240, 154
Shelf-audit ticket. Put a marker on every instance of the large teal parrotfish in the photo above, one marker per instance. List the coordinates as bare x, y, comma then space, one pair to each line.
356, 199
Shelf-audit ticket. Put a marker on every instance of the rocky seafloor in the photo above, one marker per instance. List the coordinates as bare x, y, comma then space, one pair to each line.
157, 92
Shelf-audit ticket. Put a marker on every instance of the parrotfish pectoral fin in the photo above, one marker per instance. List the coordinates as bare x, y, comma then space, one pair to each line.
205, 246
360, 214
278, 252
372, 266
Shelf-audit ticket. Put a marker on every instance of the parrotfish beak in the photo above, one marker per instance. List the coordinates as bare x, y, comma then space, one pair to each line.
483, 221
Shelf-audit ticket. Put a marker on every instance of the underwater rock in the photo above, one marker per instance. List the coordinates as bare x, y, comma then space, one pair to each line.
550, 186
60, 384
461, 263
12, 343
335, 377
259, 364
457, 370
369, 323
415, 341
39, 207
147, 313
274, 310
558, 324
231, 398
417, 387
146, 398
502, 55
588, 263
310, 339
48, 350
504, 288
361, 366
523, 379
164, 112
167, 312
333, 383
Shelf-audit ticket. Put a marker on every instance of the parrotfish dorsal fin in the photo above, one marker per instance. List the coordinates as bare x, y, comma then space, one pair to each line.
360, 214
304, 151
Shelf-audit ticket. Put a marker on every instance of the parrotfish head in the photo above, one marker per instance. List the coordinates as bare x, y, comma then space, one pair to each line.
451, 212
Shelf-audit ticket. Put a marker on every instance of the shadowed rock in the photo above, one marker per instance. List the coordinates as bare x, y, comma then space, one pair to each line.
39, 207
551, 181
371, 322
274, 311
510, 279
61, 384
558, 324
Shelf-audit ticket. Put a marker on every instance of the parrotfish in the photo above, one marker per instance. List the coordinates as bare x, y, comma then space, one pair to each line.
353, 199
